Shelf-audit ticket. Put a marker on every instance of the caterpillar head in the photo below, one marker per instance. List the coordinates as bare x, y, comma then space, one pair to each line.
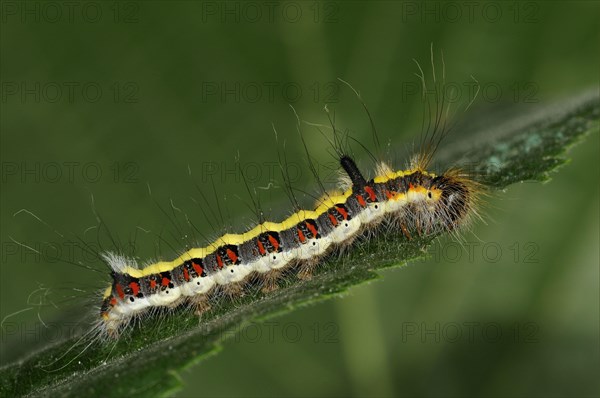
454, 199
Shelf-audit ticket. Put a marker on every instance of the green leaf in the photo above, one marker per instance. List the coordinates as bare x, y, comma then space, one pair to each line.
146, 362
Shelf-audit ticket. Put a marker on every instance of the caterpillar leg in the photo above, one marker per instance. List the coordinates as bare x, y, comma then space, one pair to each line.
200, 304
419, 225
111, 326
346, 245
405, 231
113, 333
270, 280
233, 290
307, 269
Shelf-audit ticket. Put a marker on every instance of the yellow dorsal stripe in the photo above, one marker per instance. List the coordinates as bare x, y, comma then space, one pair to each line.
237, 239
400, 173
327, 202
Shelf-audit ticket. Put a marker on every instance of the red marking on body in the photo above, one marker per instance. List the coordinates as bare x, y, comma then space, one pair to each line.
186, 274
411, 186
120, 291
343, 212
371, 193
389, 194
113, 301
152, 284
361, 200
165, 281
219, 261
274, 242
135, 287
261, 248
312, 229
301, 235
333, 220
197, 268
232, 256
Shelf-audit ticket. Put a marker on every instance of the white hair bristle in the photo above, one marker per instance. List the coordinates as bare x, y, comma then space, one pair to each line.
117, 262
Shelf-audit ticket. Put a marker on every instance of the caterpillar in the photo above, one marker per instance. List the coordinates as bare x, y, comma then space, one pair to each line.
405, 201
412, 199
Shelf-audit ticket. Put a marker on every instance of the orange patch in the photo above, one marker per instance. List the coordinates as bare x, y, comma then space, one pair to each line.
261, 248
274, 242
301, 235
135, 287
119, 290
333, 220
361, 200
197, 268
371, 193
343, 212
312, 229
232, 256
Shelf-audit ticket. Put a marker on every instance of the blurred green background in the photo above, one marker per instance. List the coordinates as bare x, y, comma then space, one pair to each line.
107, 99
